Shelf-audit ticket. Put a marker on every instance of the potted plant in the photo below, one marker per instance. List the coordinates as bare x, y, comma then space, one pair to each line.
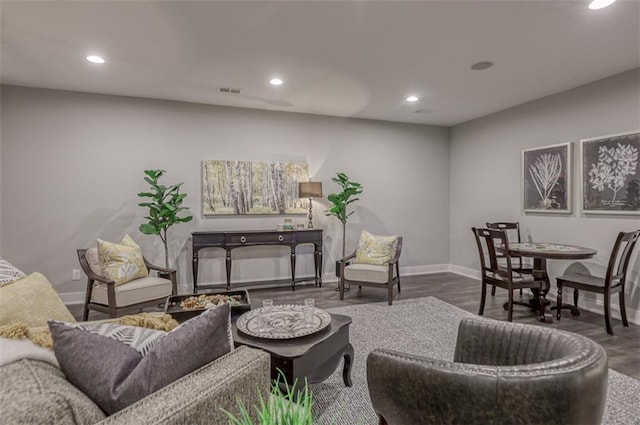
339, 203
164, 206
283, 405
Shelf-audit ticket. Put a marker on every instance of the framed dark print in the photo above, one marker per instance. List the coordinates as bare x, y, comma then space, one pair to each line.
546, 179
610, 174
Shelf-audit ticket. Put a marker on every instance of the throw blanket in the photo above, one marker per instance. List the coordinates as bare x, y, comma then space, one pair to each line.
18, 342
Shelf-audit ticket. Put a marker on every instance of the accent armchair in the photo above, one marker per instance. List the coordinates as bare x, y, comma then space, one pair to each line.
501, 373
377, 276
104, 296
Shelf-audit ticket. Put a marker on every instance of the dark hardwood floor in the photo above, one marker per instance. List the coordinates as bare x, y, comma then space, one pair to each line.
623, 348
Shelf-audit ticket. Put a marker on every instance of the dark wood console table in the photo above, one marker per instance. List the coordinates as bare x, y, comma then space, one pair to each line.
229, 240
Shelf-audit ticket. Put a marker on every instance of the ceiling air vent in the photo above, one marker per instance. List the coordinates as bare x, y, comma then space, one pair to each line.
423, 111
229, 90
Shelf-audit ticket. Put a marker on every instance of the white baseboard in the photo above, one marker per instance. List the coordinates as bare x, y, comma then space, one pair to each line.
465, 271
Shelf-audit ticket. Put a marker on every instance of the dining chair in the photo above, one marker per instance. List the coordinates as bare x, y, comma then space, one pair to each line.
502, 275
612, 282
513, 233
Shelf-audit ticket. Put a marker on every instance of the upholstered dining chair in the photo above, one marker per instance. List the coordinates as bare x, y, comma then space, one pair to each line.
104, 296
502, 373
377, 276
493, 244
519, 264
612, 282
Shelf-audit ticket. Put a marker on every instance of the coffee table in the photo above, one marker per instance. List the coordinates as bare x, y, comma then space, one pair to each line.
314, 357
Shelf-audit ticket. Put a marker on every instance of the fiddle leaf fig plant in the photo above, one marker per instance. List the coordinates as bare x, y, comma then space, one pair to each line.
341, 200
164, 205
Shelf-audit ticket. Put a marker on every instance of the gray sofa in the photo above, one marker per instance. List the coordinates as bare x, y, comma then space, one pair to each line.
34, 392
501, 373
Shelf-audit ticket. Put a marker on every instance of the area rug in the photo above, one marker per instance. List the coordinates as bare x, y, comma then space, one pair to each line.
425, 326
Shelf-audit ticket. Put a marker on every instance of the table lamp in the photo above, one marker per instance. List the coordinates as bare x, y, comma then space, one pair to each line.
310, 190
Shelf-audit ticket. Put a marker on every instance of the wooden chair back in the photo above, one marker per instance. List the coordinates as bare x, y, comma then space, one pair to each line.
620, 257
487, 240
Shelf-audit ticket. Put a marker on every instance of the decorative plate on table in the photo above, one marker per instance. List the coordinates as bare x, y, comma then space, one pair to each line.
284, 322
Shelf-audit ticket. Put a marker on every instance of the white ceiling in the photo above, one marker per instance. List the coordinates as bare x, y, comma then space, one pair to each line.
349, 59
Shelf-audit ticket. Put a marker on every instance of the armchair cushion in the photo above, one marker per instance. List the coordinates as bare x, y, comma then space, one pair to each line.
376, 250
32, 301
135, 291
134, 362
121, 262
367, 273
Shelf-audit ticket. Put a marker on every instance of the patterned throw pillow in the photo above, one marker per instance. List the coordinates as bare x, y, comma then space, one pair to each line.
121, 262
9, 273
376, 250
117, 365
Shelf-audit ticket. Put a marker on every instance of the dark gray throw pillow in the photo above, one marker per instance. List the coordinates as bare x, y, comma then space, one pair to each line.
117, 365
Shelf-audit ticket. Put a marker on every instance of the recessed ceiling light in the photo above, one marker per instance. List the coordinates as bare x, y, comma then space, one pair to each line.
95, 59
599, 4
412, 99
481, 65
276, 82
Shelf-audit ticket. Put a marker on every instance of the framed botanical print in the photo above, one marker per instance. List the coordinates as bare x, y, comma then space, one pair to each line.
610, 174
546, 179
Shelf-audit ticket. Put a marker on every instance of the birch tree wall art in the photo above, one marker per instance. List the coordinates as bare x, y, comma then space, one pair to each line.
546, 179
611, 174
250, 188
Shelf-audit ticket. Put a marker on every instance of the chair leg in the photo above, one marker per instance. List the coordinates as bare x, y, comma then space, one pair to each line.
390, 294
520, 291
575, 297
342, 287
85, 314
510, 309
483, 298
493, 290
398, 274
607, 312
541, 303
559, 301
623, 309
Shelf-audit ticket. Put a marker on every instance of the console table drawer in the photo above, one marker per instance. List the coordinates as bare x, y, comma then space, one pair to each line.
258, 238
206, 239
309, 236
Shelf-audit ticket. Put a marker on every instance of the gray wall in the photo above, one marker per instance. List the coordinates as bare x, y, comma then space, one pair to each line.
485, 163
72, 164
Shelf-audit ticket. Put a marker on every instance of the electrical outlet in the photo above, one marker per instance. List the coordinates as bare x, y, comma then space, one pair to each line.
75, 274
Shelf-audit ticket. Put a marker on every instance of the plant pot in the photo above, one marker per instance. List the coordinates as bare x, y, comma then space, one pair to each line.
337, 268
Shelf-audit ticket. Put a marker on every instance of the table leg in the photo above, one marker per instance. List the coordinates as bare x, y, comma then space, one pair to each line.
320, 266
348, 363
194, 266
228, 269
293, 268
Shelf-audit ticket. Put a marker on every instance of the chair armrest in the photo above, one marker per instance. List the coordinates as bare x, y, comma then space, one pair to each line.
96, 277
158, 268
199, 397
409, 389
348, 257
396, 256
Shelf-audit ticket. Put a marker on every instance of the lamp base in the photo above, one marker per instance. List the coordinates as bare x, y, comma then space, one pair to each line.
310, 216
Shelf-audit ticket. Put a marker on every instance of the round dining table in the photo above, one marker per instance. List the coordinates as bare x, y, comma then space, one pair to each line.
543, 251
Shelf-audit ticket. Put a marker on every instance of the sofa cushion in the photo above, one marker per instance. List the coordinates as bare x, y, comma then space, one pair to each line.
367, 273
121, 262
136, 291
126, 373
376, 250
9, 273
33, 392
32, 301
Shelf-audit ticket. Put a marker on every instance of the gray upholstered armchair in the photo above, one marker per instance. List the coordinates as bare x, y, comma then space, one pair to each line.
502, 373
